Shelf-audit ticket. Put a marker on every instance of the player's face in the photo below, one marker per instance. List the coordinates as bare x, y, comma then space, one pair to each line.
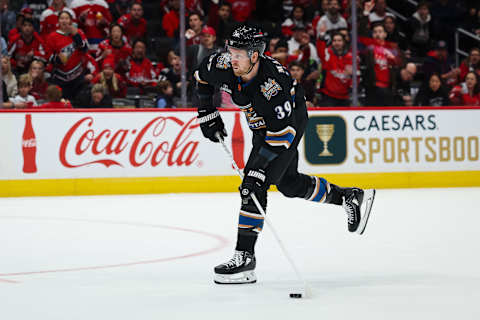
240, 61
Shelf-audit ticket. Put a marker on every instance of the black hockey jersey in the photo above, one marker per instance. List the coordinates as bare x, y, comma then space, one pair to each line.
273, 103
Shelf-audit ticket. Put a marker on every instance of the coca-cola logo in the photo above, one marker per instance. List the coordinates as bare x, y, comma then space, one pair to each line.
29, 143
148, 145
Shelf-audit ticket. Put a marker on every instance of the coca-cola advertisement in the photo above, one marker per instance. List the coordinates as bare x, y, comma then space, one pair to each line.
123, 144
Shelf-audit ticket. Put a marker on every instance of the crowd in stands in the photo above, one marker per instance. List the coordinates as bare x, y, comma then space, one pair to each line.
110, 53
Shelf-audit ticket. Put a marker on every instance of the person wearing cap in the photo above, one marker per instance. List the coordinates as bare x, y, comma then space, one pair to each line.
197, 52
439, 62
25, 47
133, 23
32, 9
18, 26
114, 83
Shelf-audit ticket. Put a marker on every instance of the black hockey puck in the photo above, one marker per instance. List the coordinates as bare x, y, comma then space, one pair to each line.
295, 295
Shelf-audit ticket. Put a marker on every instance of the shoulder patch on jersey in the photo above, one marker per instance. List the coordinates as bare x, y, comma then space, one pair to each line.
270, 88
223, 61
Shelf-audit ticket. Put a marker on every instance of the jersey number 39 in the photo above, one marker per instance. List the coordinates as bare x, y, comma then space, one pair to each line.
284, 111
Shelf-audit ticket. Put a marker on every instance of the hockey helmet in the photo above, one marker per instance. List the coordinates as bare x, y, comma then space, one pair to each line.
247, 38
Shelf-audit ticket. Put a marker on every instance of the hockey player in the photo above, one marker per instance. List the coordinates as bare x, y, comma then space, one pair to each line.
274, 105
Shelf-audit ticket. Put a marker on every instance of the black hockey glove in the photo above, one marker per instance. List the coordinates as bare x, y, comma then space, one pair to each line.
253, 182
211, 122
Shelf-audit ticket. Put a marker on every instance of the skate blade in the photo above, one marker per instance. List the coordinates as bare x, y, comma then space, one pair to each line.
368, 197
237, 278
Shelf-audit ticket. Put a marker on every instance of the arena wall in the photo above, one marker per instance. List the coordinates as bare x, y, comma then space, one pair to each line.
84, 152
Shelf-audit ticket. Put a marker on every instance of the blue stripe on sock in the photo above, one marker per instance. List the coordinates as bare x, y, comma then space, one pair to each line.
322, 190
250, 221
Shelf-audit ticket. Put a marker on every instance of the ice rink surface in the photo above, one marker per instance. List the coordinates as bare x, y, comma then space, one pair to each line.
152, 257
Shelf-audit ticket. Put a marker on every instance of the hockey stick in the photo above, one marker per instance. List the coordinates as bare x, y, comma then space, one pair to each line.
306, 290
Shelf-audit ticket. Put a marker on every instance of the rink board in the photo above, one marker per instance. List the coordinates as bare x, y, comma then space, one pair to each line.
156, 151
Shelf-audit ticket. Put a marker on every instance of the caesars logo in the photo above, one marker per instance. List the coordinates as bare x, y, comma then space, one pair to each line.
409, 138
326, 140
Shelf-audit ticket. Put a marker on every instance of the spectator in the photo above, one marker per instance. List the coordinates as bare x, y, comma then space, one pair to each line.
25, 47
432, 93
165, 97
141, 73
67, 51
114, 83
116, 47
296, 19
196, 53
380, 58
332, 20
437, 62
301, 46
119, 8
39, 84
420, 30
33, 9
193, 33
280, 53
96, 97
49, 17
472, 22
468, 92
133, 23
393, 34
379, 12
93, 18
242, 9
402, 90
54, 99
172, 72
171, 20
6, 101
222, 22
337, 63
8, 77
8, 18
18, 26
471, 64
23, 99
297, 70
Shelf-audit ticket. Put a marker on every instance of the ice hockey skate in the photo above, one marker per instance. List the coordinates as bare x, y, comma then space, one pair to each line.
358, 205
238, 270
